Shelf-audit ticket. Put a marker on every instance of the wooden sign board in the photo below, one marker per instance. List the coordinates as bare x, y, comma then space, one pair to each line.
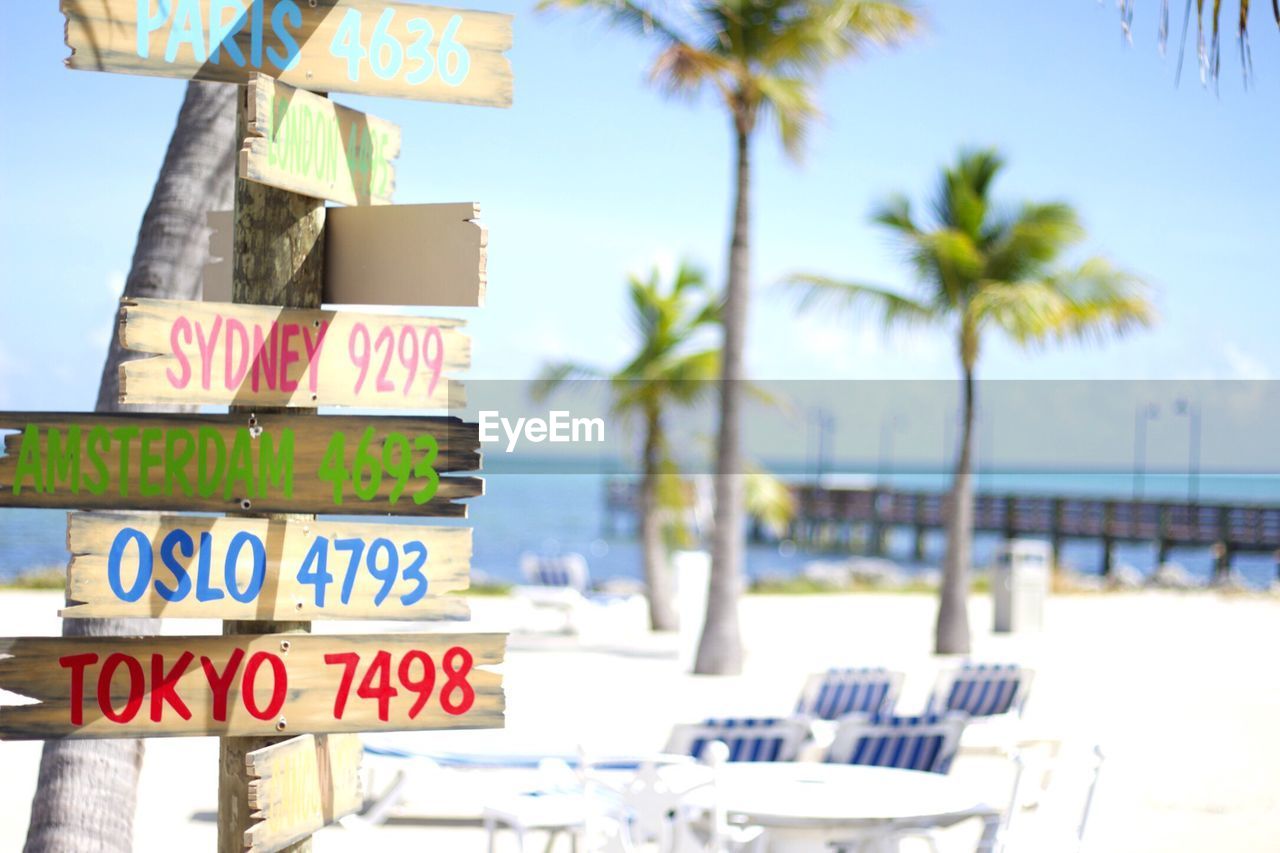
167, 566
369, 47
404, 254
309, 145
251, 355
251, 684
301, 785
337, 464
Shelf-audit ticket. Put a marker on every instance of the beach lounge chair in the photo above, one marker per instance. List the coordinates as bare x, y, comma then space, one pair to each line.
982, 690
748, 738
926, 742
839, 692
556, 583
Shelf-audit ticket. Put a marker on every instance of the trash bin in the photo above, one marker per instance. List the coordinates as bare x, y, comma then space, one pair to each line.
1020, 585
693, 574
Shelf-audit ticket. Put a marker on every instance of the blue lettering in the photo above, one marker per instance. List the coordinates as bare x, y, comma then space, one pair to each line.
149, 23
204, 592
188, 28
259, 566
223, 35
143, 577
182, 540
289, 9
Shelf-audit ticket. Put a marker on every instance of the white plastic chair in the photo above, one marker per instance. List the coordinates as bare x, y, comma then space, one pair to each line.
1053, 820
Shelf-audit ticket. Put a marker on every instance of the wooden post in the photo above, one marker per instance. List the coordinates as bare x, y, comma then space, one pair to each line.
278, 259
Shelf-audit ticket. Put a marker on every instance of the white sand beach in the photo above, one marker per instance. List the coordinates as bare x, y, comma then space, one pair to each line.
1181, 690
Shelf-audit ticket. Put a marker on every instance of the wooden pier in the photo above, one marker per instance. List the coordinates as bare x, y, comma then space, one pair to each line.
840, 519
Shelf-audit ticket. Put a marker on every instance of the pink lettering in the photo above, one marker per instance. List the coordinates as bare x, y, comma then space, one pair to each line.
180, 326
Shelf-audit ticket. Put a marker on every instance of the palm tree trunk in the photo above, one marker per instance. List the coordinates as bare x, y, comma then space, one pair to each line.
720, 650
657, 571
952, 637
87, 790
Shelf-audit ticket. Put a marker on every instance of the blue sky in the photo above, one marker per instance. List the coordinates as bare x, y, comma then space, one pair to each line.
592, 174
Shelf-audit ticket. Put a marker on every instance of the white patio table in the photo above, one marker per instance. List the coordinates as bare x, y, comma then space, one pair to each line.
805, 806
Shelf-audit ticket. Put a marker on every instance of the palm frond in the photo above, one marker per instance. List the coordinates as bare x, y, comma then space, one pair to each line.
830, 295
790, 101
895, 212
555, 376
624, 14
681, 70
1018, 246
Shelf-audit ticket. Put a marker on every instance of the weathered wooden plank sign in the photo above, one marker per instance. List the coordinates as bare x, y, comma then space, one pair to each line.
309, 145
144, 565
249, 355
111, 687
335, 464
369, 47
404, 254
301, 785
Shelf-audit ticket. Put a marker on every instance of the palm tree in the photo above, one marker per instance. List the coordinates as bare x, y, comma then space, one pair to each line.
762, 59
1210, 55
667, 369
87, 789
982, 267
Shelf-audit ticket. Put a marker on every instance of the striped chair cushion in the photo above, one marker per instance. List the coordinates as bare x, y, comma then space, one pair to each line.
838, 692
984, 689
564, 571
748, 738
927, 742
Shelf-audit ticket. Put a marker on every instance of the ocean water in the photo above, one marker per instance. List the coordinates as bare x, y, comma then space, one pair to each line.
558, 512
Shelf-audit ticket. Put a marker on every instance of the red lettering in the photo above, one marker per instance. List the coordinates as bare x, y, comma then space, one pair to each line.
313, 353
180, 326
164, 686
265, 358
136, 684
77, 664
348, 661
220, 682
288, 356
206, 350
234, 375
279, 685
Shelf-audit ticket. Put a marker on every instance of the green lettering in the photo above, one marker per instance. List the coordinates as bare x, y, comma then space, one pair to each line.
96, 445
29, 460
175, 464
124, 435
275, 469
241, 468
147, 459
207, 478
62, 459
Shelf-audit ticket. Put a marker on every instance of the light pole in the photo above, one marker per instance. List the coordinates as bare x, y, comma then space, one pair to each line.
1184, 406
888, 425
1145, 412
824, 421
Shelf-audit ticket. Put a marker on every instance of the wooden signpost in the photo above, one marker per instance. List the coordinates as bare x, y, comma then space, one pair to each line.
309, 145
146, 564
250, 355
248, 684
300, 785
218, 463
284, 702
404, 254
369, 47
